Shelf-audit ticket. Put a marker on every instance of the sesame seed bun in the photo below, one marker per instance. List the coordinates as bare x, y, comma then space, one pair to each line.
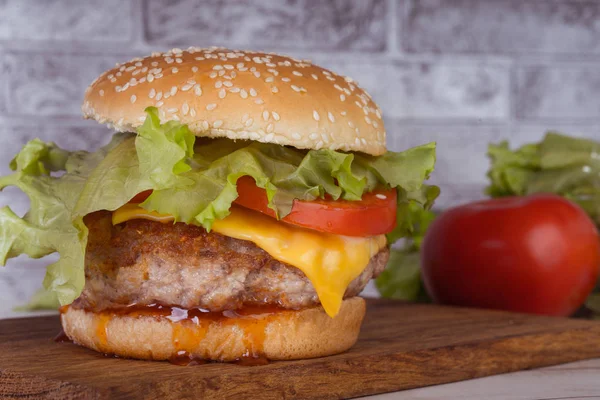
288, 335
240, 95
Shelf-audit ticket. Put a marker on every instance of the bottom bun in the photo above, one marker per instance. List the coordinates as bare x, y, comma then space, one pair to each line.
279, 335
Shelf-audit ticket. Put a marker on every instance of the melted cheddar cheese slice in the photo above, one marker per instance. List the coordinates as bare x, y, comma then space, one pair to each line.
329, 261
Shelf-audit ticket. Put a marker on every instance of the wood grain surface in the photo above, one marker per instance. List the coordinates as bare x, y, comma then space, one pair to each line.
401, 346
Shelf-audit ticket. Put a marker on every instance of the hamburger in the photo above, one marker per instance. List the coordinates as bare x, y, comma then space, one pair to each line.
242, 204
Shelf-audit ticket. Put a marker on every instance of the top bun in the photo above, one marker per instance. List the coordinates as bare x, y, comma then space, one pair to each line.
240, 95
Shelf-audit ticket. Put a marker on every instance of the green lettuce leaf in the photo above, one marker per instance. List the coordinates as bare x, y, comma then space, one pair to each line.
559, 164
194, 182
401, 279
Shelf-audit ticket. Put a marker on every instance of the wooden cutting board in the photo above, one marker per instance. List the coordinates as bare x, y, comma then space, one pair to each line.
401, 346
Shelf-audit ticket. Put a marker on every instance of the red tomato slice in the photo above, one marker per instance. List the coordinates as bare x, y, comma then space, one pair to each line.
375, 214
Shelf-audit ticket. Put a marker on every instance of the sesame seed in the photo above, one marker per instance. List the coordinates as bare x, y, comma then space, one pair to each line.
342, 97
213, 75
221, 72
154, 64
315, 77
178, 60
174, 70
159, 96
275, 115
259, 101
245, 117
217, 123
150, 77
160, 104
227, 83
274, 89
256, 74
286, 79
228, 66
296, 136
368, 120
187, 87
331, 117
375, 124
101, 92
129, 69
222, 93
265, 115
133, 98
297, 73
173, 90
253, 92
269, 79
363, 140
243, 94
218, 84
217, 67
205, 125
185, 108
381, 196
194, 69
152, 93
313, 136
316, 115
172, 110
234, 90
270, 128
197, 90
343, 113
193, 112
211, 106
350, 124
249, 122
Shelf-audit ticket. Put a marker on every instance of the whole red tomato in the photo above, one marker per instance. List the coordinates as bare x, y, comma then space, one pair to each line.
536, 254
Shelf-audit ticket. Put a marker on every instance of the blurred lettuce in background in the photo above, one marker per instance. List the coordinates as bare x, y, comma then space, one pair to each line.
558, 164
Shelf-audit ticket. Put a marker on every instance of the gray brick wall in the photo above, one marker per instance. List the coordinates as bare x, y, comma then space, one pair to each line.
461, 72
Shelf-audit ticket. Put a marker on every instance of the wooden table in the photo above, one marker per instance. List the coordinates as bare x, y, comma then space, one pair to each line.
579, 380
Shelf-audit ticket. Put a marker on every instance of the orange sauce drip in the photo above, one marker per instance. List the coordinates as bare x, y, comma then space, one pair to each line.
101, 334
191, 326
